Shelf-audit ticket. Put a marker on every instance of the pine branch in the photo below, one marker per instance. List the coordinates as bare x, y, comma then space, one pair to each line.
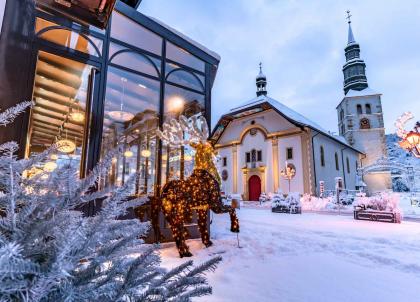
8, 116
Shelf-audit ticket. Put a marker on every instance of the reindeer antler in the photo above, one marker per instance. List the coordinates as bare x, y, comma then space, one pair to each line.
173, 133
400, 124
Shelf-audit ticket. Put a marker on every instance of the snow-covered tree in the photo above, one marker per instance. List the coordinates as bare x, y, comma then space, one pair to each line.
49, 251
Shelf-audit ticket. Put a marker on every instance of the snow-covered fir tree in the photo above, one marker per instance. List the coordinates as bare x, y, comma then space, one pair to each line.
50, 252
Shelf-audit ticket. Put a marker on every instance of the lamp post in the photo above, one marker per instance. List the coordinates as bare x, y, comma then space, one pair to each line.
288, 172
410, 140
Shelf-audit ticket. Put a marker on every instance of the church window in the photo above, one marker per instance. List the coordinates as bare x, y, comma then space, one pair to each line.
224, 161
253, 155
248, 157
322, 156
368, 109
348, 165
259, 155
364, 123
359, 109
289, 153
337, 166
343, 129
342, 114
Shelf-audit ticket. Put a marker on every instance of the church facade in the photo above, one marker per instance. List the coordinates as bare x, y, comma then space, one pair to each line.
259, 140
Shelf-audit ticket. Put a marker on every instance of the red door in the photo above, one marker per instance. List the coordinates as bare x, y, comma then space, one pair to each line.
254, 187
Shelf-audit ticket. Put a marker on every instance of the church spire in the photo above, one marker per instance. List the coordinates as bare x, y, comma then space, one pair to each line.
350, 39
261, 82
354, 69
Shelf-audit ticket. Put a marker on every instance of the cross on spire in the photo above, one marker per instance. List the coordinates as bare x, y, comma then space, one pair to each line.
348, 16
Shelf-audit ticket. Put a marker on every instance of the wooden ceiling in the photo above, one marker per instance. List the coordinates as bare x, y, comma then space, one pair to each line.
59, 90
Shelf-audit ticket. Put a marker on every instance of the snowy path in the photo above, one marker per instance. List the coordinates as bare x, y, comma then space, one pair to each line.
310, 257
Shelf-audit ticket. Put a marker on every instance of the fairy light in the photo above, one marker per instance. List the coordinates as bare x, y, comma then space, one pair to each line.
199, 192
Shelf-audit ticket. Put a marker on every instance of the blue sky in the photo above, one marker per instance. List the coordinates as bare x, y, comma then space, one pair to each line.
301, 44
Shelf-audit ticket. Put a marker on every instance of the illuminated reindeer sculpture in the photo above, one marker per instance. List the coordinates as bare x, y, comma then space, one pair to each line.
200, 191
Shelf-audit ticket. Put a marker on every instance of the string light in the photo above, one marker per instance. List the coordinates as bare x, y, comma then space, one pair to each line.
146, 153
50, 166
199, 192
128, 153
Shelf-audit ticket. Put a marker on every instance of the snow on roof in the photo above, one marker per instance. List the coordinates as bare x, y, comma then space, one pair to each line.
292, 115
188, 39
365, 92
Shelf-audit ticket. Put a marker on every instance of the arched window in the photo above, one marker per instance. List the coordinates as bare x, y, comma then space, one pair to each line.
337, 166
343, 129
368, 109
342, 114
348, 165
364, 123
322, 156
359, 109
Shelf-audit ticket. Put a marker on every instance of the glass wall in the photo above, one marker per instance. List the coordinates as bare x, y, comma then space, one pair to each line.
142, 81
60, 114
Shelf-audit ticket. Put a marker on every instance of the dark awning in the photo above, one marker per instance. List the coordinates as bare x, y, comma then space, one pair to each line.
90, 12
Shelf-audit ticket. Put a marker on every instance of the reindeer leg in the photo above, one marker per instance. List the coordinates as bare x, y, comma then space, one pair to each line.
183, 248
202, 226
219, 208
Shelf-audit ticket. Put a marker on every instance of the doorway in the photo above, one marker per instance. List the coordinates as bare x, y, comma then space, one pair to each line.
254, 188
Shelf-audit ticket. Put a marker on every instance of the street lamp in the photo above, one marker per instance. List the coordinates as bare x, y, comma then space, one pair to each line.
288, 172
410, 139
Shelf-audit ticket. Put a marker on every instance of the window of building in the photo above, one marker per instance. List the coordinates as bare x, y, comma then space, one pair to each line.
364, 123
368, 109
341, 114
185, 78
343, 129
131, 120
348, 165
130, 32
359, 109
337, 166
248, 157
322, 155
224, 161
259, 155
179, 55
289, 153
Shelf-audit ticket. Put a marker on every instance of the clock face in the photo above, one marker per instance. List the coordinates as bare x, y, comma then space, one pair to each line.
364, 123
253, 131
224, 175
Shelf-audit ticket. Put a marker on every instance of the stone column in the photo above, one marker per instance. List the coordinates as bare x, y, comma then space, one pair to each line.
275, 163
235, 168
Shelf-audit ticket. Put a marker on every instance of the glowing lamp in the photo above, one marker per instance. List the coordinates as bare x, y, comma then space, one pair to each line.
77, 116
50, 166
65, 146
54, 156
146, 153
128, 153
188, 157
176, 103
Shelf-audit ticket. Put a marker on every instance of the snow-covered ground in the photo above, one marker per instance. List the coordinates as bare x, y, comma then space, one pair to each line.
309, 257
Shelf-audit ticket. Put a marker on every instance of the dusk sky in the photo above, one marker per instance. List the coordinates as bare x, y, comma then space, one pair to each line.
301, 45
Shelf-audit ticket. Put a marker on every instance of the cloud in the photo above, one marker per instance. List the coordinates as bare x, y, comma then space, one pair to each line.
301, 44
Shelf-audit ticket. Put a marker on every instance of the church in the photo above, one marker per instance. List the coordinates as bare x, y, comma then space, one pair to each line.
266, 146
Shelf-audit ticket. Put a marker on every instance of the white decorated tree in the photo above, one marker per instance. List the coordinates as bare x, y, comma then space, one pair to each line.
49, 251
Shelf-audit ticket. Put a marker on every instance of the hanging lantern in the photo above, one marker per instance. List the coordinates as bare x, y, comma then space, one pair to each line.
146, 153
121, 115
50, 166
77, 116
65, 146
128, 153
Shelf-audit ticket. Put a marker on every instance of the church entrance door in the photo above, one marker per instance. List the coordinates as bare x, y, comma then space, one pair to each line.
254, 188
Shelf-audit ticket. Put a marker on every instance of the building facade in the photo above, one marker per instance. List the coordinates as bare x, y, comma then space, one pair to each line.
360, 116
98, 88
259, 139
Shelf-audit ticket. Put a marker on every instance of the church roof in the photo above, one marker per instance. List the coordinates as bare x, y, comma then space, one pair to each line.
262, 103
350, 39
357, 93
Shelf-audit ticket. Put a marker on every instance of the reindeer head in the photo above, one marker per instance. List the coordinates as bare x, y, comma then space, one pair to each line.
193, 132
